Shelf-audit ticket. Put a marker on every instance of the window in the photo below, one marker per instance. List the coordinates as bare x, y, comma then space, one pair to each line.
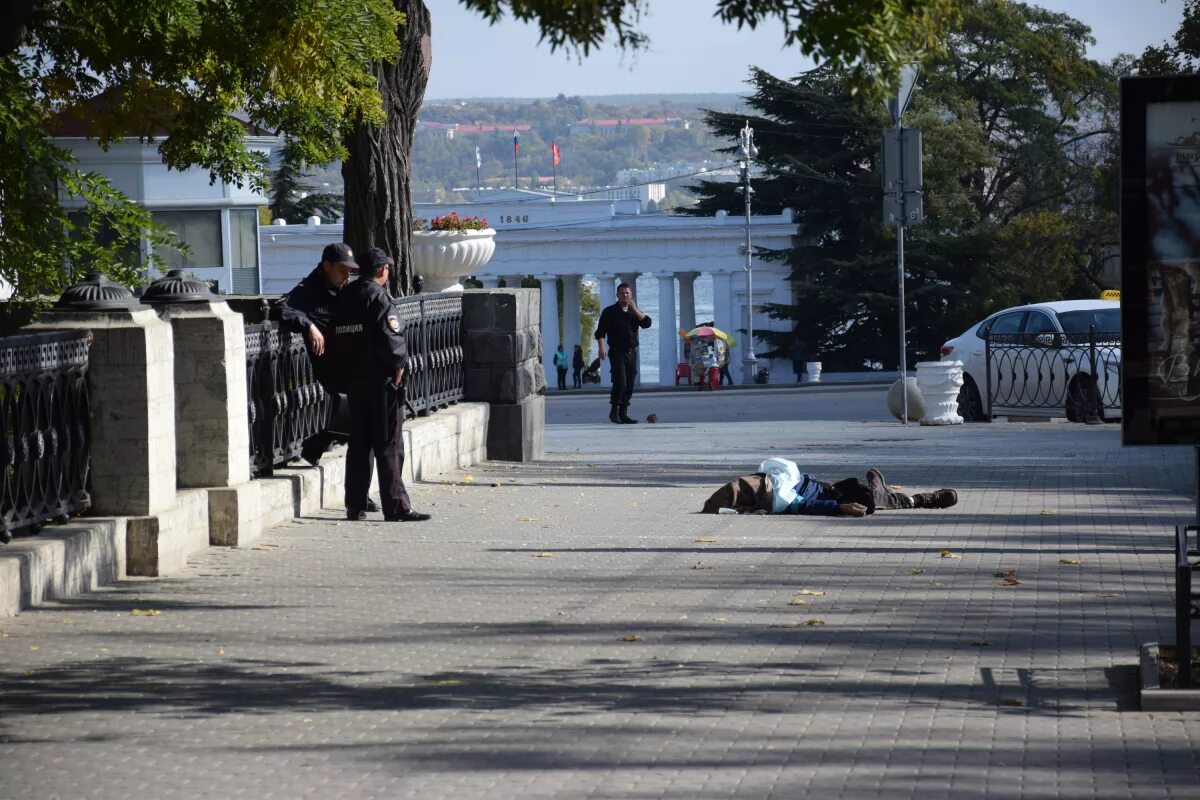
1039, 323
200, 231
243, 238
1005, 323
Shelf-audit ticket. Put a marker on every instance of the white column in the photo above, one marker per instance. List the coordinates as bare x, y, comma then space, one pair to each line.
550, 334
723, 310
687, 299
570, 315
668, 336
489, 281
608, 295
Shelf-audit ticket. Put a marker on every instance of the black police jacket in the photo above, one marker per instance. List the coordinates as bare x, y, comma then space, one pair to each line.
310, 303
366, 345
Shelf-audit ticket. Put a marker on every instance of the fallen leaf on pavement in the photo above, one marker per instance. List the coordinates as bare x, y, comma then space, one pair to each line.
1048, 512
468, 478
797, 601
496, 485
633, 637
700, 565
267, 547
1108, 595
1068, 561
948, 554
814, 622
938, 585
145, 612
544, 554
812, 592
706, 539
447, 682
916, 571
220, 651
524, 518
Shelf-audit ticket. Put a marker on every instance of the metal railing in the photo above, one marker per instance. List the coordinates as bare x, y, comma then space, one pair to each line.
45, 441
286, 403
432, 325
1079, 373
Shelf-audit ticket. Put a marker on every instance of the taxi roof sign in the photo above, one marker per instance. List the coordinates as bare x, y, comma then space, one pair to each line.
1110, 294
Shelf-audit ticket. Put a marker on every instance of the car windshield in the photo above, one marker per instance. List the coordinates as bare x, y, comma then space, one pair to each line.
1106, 320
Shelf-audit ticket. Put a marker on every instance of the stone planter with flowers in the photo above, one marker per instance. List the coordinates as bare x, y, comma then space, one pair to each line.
448, 248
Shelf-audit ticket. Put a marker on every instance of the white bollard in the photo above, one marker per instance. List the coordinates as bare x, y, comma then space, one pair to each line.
940, 382
916, 405
812, 372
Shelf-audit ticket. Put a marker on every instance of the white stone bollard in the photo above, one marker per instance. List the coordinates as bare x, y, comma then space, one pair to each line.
940, 382
812, 372
916, 405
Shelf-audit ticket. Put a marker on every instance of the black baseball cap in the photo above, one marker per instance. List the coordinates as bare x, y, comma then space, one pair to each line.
372, 261
339, 253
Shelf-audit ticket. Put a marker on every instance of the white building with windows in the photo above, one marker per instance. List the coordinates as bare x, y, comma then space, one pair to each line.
218, 221
563, 242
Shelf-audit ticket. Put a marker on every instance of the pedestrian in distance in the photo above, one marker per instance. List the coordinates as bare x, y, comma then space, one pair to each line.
577, 367
619, 324
560, 366
307, 309
798, 353
369, 350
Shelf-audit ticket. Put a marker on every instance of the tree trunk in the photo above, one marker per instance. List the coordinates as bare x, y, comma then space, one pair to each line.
376, 172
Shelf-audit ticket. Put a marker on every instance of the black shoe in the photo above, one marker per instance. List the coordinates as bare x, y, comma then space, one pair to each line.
942, 498
312, 452
875, 478
355, 514
628, 420
371, 507
612, 416
409, 516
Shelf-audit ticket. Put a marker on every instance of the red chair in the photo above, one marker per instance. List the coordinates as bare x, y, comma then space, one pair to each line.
683, 371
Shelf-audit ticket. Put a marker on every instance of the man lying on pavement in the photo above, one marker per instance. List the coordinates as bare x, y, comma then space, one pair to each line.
780, 488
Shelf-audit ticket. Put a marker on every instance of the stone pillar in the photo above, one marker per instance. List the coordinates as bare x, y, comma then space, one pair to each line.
608, 295
551, 338
131, 392
502, 366
723, 309
668, 335
489, 281
212, 430
570, 313
687, 299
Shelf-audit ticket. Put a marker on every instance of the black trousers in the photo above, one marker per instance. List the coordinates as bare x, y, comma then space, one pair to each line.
575, 377
562, 377
375, 429
623, 364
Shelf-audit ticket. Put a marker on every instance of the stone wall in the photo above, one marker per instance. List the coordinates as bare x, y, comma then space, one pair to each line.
502, 347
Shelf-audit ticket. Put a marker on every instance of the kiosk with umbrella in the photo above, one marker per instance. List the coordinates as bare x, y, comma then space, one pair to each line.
706, 350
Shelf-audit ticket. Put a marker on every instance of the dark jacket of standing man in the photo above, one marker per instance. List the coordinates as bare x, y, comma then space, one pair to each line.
307, 310
369, 348
619, 323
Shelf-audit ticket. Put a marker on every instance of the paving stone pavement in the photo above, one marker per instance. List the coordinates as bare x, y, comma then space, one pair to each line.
572, 629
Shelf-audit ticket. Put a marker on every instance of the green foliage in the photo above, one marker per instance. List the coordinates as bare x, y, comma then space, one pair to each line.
589, 313
149, 68
1180, 56
1019, 187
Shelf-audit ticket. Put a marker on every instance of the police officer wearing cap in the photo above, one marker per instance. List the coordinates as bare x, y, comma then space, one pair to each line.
369, 350
307, 310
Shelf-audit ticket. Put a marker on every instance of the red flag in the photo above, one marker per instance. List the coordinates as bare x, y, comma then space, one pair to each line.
516, 143
556, 153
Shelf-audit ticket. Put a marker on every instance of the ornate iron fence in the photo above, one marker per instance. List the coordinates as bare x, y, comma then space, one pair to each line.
287, 404
1077, 373
46, 438
432, 327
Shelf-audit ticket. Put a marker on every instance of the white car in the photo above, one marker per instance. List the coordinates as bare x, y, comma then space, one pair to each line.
1044, 362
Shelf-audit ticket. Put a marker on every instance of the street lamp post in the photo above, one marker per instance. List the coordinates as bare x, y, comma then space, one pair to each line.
746, 153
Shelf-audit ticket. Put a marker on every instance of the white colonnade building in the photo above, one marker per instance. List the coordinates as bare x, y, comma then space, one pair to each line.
565, 240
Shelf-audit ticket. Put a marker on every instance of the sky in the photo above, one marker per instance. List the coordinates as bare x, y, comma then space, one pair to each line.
691, 52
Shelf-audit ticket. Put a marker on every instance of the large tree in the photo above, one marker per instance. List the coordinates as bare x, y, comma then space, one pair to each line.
1017, 129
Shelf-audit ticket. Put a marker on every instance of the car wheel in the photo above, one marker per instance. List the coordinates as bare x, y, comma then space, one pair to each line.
970, 404
1083, 401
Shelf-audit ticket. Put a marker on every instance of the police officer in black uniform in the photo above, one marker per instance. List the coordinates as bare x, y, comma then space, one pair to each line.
307, 310
369, 350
